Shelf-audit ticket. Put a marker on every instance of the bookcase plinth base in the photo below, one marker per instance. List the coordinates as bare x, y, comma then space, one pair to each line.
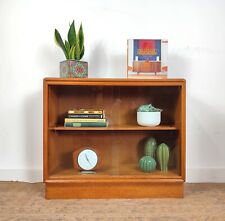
114, 189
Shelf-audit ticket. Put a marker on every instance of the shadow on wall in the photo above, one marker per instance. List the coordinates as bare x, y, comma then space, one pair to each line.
97, 61
104, 65
205, 134
101, 64
49, 61
33, 140
118, 66
179, 67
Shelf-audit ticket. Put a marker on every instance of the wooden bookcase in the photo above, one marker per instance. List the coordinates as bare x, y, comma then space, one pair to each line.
120, 145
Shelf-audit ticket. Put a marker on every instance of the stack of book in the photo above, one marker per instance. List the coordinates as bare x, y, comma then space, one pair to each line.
85, 118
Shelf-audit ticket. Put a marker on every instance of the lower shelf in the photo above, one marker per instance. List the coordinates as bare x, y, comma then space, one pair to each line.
126, 171
126, 181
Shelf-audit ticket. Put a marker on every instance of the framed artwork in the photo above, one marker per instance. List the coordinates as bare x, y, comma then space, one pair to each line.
147, 58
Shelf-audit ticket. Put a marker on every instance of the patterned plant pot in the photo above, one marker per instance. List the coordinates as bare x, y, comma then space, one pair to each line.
73, 69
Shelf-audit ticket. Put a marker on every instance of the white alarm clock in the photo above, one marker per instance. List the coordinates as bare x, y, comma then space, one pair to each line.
87, 159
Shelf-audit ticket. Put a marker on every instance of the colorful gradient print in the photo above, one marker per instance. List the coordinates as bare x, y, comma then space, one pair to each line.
147, 50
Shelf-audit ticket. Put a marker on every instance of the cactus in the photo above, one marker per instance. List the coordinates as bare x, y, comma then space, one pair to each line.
150, 147
147, 164
163, 156
73, 48
148, 108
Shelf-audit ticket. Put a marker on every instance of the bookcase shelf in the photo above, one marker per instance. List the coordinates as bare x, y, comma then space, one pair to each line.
120, 145
119, 127
129, 171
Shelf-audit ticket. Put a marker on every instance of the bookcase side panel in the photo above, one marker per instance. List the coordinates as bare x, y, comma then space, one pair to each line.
183, 131
45, 130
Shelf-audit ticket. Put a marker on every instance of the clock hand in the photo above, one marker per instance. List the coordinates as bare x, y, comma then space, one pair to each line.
87, 159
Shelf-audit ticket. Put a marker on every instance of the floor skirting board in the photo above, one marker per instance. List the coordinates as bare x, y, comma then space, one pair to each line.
31, 176
205, 175
194, 175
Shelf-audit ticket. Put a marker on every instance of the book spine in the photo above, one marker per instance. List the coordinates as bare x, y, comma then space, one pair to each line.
85, 124
93, 116
86, 112
83, 120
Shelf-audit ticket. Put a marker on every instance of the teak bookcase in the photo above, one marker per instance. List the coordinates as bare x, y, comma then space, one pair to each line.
120, 145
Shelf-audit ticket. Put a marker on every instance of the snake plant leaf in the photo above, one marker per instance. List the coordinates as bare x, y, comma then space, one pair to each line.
73, 47
72, 34
81, 37
72, 52
77, 54
82, 53
60, 43
67, 46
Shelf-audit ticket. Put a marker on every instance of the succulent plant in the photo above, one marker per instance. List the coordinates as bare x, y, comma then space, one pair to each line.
147, 164
73, 47
148, 108
163, 156
150, 147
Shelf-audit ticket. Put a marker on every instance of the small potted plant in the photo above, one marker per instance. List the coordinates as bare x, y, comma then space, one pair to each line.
73, 49
148, 115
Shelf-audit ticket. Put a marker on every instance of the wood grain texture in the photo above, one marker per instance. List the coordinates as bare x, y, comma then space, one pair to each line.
130, 171
183, 132
116, 189
121, 144
115, 150
45, 131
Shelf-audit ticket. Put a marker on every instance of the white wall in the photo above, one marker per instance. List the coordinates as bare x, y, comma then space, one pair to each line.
196, 34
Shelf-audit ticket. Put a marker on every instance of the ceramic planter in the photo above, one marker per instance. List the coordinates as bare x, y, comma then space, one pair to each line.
73, 69
149, 119
163, 154
150, 147
147, 164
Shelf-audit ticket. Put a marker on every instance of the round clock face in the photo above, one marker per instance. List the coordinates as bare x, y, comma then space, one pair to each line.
87, 159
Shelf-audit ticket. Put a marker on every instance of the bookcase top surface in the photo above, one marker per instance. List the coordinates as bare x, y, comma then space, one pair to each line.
114, 81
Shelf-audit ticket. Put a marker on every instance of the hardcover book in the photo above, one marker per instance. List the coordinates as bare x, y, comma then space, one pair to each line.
85, 111
71, 120
92, 116
86, 124
147, 58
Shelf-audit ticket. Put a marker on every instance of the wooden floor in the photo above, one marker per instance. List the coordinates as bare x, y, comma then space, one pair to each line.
23, 201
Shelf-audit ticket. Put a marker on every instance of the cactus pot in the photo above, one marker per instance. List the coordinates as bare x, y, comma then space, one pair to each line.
149, 119
73, 69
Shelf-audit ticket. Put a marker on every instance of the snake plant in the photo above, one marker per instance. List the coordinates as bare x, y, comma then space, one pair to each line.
73, 47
